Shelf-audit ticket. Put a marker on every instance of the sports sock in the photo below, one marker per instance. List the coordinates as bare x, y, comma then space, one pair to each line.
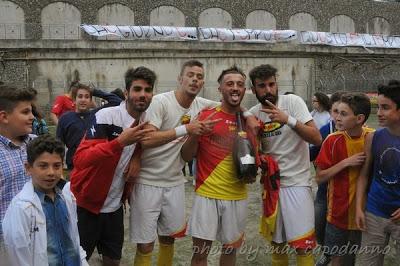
305, 260
142, 259
165, 255
280, 257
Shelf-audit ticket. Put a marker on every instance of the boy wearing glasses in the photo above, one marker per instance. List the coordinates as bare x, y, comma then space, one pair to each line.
339, 163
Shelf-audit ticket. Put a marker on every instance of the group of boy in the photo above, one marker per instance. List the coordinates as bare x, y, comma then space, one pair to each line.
164, 134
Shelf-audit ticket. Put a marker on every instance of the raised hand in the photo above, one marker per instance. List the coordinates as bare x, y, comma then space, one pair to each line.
134, 134
202, 127
274, 113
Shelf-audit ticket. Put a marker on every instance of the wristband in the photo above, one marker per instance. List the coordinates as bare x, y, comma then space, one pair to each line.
291, 122
247, 114
180, 131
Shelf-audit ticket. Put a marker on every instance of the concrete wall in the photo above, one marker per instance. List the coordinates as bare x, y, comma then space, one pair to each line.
167, 16
108, 73
260, 19
60, 21
12, 19
216, 18
303, 22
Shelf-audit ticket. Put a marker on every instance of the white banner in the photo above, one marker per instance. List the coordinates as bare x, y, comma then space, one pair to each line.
243, 35
246, 35
142, 32
349, 39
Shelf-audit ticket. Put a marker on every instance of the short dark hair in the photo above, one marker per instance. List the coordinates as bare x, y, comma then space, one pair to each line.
335, 97
391, 91
359, 103
323, 100
262, 72
190, 63
11, 96
141, 72
76, 85
232, 70
44, 143
119, 93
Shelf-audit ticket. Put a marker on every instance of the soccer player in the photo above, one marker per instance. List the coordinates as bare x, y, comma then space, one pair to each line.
220, 205
288, 128
97, 179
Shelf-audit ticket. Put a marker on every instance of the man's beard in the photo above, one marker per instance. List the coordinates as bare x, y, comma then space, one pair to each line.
268, 96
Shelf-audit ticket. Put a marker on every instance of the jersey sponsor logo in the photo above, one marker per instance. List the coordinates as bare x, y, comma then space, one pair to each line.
185, 119
272, 129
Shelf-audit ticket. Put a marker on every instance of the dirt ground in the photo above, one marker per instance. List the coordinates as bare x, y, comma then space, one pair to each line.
253, 252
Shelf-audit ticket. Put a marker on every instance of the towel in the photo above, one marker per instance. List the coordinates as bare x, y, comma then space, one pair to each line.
271, 183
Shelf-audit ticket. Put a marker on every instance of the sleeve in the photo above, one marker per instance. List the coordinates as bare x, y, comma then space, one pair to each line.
92, 152
324, 159
314, 149
16, 230
45, 128
156, 111
60, 129
299, 109
111, 98
58, 105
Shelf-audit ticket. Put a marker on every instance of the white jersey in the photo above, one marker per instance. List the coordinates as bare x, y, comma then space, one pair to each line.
162, 166
284, 144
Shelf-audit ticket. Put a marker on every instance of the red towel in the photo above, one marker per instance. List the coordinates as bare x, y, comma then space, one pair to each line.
271, 180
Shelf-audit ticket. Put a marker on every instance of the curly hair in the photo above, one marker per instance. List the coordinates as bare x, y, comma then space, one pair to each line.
42, 144
141, 72
262, 72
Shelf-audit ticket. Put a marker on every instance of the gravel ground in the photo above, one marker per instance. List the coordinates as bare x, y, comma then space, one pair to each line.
254, 251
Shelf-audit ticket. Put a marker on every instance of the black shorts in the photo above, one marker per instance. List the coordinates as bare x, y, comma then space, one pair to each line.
104, 231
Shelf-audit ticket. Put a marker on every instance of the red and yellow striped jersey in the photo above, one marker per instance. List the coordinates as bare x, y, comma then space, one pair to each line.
216, 173
342, 187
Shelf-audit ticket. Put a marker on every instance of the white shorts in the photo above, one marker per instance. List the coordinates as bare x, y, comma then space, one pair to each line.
222, 220
295, 218
157, 211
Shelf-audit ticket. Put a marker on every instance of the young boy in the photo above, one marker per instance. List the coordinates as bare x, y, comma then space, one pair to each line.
40, 225
379, 219
339, 163
15, 126
72, 125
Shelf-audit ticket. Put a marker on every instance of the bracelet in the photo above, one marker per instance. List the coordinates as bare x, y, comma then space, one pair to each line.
291, 122
180, 131
247, 113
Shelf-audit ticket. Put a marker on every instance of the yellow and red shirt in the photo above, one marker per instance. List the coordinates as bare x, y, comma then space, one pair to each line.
216, 172
342, 187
